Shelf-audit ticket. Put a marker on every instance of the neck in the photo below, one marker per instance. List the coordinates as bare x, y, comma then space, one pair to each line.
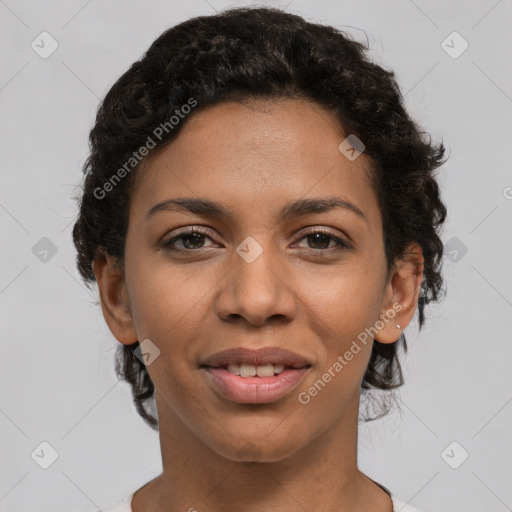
320, 476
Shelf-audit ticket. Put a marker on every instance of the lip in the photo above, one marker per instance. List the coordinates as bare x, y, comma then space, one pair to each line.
256, 357
255, 390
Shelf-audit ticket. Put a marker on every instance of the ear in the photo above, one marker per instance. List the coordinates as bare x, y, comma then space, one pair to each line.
114, 298
401, 294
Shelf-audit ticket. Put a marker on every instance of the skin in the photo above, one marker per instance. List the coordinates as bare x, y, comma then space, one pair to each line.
254, 158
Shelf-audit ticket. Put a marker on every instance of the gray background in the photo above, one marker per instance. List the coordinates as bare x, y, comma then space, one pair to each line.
57, 378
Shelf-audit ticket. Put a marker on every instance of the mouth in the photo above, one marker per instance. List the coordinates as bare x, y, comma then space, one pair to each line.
249, 376
254, 388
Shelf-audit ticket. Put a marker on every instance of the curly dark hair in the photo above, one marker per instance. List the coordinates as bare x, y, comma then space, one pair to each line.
246, 53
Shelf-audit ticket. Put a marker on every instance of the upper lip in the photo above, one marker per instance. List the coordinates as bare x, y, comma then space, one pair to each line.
256, 357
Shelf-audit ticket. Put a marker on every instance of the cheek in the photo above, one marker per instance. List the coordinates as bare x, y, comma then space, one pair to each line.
344, 301
341, 310
164, 297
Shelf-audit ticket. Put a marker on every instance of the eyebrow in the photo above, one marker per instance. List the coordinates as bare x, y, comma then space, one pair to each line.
296, 208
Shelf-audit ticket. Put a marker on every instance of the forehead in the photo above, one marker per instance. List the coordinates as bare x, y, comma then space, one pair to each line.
256, 154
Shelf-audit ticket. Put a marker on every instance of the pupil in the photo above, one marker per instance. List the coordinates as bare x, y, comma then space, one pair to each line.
320, 237
196, 237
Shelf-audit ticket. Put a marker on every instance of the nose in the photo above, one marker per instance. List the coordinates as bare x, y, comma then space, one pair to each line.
257, 291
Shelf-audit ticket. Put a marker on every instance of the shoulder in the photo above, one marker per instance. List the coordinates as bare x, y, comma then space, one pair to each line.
401, 506
398, 505
122, 505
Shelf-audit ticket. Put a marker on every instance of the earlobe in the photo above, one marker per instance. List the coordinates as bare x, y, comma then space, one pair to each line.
402, 294
114, 298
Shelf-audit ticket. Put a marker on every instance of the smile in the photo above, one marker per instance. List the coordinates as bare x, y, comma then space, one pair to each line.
254, 389
251, 376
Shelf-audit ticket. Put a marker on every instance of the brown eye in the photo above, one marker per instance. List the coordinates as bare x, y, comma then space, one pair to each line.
321, 239
190, 240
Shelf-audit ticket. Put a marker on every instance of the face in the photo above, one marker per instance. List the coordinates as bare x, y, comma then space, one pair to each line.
262, 269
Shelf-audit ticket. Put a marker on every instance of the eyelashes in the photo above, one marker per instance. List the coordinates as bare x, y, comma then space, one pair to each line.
189, 233
325, 234
195, 236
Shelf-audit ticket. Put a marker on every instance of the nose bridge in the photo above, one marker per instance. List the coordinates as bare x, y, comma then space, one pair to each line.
256, 287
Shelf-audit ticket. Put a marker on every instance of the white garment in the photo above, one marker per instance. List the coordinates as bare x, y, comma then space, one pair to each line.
124, 505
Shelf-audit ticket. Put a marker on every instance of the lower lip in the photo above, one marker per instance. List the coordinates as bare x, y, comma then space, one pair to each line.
255, 390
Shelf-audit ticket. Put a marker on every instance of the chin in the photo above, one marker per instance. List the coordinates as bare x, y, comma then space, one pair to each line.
255, 445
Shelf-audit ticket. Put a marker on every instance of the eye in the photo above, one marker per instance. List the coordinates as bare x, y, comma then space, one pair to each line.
320, 239
191, 239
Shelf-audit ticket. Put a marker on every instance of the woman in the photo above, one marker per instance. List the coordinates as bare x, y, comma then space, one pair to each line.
261, 217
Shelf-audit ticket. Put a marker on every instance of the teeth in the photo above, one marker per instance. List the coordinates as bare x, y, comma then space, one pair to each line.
233, 368
250, 370
247, 370
265, 371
